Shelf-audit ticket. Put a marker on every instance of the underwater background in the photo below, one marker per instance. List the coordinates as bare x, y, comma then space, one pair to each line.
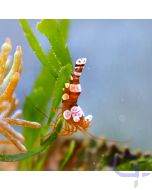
116, 82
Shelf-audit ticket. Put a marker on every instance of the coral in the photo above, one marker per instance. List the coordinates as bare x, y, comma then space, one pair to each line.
9, 78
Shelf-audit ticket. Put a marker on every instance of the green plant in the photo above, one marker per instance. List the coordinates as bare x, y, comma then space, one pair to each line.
47, 90
56, 70
142, 164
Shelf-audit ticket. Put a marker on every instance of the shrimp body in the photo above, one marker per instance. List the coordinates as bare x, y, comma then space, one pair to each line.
72, 113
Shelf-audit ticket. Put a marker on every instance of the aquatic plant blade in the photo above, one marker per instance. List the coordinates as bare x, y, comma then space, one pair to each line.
30, 113
64, 76
43, 87
42, 147
36, 105
40, 162
36, 47
68, 155
32, 40
51, 29
64, 27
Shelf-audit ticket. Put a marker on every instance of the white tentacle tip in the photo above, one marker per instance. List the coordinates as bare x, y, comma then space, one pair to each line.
18, 51
7, 47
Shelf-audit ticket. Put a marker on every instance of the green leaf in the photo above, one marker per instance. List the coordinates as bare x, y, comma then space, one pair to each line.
64, 76
33, 42
36, 105
64, 27
40, 161
31, 114
51, 29
42, 147
68, 155
36, 47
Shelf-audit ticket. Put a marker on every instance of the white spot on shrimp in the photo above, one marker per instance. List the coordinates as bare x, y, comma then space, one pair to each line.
76, 119
67, 85
80, 113
77, 73
67, 114
89, 118
81, 61
65, 96
75, 87
76, 111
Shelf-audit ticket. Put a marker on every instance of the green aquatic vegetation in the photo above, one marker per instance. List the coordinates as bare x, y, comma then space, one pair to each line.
56, 70
43, 101
142, 164
67, 155
54, 64
42, 147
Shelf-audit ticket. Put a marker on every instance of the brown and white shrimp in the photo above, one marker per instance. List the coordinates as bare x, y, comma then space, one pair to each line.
74, 118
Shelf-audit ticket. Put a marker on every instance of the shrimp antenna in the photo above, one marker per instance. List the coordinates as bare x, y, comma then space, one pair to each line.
100, 138
35, 107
